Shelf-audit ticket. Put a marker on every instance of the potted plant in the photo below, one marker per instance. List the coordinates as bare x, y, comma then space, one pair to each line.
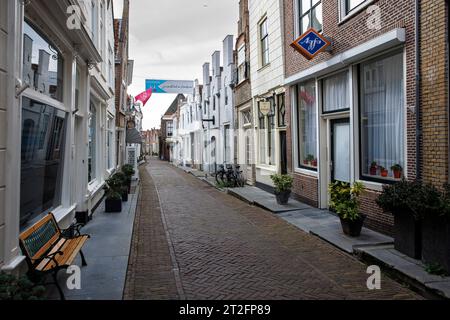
384, 172
373, 168
13, 288
113, 188
408, 201
436, 232
310, 158
397, 170
124, 190
129, 172
345, 202
283, 186
314, 163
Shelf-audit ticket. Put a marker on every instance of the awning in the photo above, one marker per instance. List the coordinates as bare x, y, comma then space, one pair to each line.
133, 136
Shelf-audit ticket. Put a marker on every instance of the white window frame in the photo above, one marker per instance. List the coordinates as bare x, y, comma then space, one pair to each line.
263, 63
344, 15
297, 14
110, 165
65, 205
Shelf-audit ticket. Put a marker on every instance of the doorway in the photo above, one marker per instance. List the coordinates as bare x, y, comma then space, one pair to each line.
283, 150
340, 150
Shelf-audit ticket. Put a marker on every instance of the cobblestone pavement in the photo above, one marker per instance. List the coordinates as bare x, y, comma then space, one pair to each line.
204, 244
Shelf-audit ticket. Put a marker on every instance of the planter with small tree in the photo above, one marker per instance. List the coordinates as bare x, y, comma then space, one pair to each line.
113, 188
129, 172
283, 187
345, 202
124, 190
408, 201
436, 234
397, 170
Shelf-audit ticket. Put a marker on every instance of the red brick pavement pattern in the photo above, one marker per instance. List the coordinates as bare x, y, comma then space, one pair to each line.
150, 275
226, 249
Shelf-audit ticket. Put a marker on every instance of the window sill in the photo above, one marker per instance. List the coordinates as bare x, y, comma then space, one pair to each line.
307, 172
60, 213
355, 11
372, 186
94, 187
266, 167
266, 66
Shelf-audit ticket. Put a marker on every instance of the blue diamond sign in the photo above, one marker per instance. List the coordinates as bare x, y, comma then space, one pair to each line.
311, 43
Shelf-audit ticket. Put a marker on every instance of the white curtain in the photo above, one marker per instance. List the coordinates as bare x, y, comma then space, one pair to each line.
336, 95
307, 120
383, 112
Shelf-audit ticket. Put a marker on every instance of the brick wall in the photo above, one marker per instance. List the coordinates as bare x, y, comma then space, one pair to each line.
434, 91
306, 189
346, 35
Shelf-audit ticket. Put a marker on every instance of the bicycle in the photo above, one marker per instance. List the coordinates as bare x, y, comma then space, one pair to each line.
239, 177
220, 175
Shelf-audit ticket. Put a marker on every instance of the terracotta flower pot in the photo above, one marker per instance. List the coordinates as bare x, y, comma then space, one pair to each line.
384, 173
397, 174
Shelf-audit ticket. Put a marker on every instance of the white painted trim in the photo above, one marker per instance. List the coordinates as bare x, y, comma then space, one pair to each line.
306, 172
386, 41
61, 213
35, 95
345, 17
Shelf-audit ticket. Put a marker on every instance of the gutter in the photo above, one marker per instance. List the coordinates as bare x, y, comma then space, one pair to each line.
418, 82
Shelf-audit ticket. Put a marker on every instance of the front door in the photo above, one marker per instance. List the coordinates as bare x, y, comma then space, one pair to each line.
248, 155
283, 150
340, 154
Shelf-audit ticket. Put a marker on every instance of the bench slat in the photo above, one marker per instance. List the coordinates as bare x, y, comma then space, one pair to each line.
70, 249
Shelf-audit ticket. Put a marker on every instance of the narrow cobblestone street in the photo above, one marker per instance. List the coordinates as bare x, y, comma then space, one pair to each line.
222, 248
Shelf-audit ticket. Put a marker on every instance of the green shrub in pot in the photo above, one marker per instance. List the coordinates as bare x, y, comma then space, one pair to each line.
408, 201
344, 200
436, 233
283, 186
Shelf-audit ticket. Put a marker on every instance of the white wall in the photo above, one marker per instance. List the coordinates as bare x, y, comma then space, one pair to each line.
3, 106
271, 76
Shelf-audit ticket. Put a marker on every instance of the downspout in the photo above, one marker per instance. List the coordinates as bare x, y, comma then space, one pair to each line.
418, 82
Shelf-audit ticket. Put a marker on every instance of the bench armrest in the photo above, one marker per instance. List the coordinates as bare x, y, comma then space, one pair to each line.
73, 231
52, 257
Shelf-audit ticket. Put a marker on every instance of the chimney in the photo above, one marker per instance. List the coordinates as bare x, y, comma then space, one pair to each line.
228, 50
216, 63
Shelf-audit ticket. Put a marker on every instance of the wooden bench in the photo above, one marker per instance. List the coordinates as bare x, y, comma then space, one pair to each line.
48, 249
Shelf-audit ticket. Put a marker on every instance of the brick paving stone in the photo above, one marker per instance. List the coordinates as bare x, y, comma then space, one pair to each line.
218, 247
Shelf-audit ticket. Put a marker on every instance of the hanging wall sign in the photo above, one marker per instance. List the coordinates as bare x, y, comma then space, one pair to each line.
311, 43
264, 107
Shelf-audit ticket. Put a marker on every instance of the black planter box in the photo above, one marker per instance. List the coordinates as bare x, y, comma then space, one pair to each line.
436, 241
353, 228
125, 196
113, 205
283, 197
408, 235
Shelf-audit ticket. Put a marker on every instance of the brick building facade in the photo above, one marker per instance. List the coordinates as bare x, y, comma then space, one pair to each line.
434, 100
353, 110
244, 122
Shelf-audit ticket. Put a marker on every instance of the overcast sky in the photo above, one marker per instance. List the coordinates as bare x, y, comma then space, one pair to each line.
171, 40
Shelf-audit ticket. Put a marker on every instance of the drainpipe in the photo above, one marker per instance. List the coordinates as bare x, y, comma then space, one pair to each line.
418, 82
